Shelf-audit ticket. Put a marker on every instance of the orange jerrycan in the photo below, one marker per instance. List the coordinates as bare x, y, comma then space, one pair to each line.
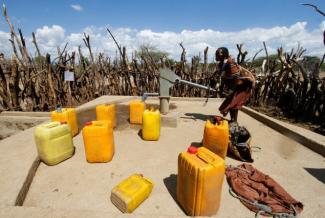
66, 115
98, 141
54, 142
151, 125
199, 181
137, 108
131, 192
106, 112
216, 137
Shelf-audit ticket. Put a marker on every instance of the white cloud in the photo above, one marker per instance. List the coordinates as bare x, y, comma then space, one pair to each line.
48, 38
5, 44
76, 7
194, 41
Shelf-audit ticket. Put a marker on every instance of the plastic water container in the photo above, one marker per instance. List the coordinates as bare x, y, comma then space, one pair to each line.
216, 137
151, 125
106, 112
66, 115
131, 192
54, 142
137, 108
199, 181
98, 141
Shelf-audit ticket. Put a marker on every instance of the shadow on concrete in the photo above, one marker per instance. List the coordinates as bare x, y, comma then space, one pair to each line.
318, 173
140, 133
197, 144
171, 183
197, 116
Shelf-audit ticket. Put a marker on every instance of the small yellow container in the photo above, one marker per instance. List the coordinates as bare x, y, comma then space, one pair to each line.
216, 137
199, 181
151, 125
106, 112
131, 192
54, 142
66, 115
137, 108
98, 141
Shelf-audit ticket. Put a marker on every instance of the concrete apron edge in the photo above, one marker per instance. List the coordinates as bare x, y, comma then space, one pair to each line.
308, 142
27, 183
13, 211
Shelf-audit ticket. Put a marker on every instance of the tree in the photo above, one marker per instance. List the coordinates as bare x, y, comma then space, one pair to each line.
149, 52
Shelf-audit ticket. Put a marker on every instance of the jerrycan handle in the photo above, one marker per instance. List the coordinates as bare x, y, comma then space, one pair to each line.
146, 179
51, 125
206, 158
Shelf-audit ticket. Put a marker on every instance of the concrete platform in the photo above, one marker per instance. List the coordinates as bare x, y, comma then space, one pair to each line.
76, 188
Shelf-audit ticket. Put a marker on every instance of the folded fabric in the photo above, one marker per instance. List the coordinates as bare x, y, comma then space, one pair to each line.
260, 193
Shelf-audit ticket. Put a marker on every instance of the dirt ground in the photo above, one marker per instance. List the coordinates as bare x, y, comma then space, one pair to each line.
12, 125
276, 113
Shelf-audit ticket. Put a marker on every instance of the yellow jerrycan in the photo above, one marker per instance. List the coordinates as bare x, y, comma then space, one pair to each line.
137, 108
98, 141
199, 181
106, 112
151, 125
131, 192
54, 142
216, 137
68, 115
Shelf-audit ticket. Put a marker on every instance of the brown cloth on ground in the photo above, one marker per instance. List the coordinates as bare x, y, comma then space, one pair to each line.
237, 98
252, 185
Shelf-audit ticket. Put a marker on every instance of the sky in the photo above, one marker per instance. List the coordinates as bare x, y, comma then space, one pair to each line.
164, 24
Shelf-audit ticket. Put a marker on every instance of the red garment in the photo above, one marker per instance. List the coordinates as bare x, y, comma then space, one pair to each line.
237, 99
231, 69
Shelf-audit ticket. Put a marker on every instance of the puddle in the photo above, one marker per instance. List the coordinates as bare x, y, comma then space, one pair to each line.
172, 106
122, 116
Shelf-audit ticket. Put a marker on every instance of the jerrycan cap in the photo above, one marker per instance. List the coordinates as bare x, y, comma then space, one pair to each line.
192, 150
58, 108
218, 118
89, 123
140, 174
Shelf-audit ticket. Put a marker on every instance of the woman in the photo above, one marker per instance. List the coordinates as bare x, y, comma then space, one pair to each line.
236, 79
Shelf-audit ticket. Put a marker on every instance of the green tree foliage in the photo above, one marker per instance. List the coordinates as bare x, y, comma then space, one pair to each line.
148, 51
259, 61
39, 60
322, 68
309, 62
